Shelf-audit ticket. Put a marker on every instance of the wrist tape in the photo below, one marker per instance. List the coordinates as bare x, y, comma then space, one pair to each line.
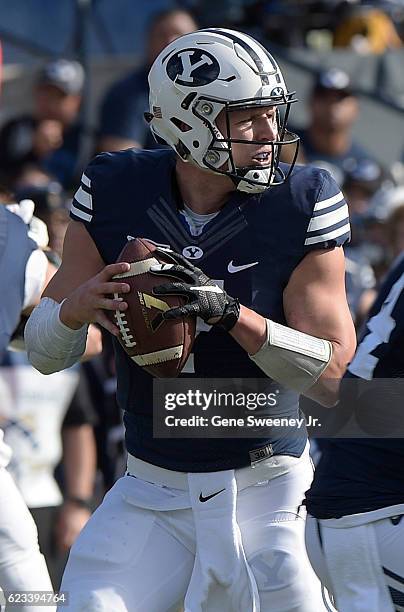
292, 358
51, 345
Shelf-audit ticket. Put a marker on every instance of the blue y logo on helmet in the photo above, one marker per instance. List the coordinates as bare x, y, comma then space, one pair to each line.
193, 67
277, 92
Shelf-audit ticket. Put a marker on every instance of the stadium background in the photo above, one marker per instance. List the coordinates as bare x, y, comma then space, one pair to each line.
108, 37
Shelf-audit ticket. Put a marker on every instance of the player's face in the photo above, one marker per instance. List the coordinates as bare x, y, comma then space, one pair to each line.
259, 124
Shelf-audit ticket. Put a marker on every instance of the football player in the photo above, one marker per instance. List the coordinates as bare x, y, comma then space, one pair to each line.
24, 272
355, 531
194, 519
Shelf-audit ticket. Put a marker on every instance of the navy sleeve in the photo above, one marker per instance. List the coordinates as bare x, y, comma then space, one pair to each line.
108, 183
82, 205
329, 224
97, 202
98, 195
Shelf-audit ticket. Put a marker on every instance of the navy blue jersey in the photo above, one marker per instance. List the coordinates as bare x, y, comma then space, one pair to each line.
360, 475
252, 245
15, 249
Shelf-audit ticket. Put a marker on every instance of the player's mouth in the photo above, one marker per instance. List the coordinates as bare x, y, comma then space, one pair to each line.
263, 158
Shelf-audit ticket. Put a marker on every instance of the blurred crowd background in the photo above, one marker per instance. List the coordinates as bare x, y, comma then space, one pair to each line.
74, 83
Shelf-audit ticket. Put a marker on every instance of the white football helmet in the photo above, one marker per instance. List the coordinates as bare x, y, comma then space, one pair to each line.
203, 73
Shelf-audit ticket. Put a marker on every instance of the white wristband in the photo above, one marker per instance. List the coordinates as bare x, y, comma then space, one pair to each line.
51, 345
292, 358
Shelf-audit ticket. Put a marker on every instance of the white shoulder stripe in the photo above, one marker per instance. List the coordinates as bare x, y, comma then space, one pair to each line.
84, 198
329, 201
328, 236
79, 213
85, 180
329, 219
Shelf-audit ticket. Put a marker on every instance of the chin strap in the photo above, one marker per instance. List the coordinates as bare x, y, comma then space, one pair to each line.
262, 175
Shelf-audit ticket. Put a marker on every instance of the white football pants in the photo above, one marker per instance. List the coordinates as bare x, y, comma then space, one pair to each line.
132, 559
22, 566
362, 565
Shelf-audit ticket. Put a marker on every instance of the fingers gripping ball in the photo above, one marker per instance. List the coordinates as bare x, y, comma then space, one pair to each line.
159, 346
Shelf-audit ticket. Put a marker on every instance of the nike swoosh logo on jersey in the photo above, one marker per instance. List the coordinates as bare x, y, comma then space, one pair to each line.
205, 499
233, 269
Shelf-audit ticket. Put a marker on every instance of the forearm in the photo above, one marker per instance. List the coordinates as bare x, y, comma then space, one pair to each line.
325, 389
67, 315
250, 330
79, 461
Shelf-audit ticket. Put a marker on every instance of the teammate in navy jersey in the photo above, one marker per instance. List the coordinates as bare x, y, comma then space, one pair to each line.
355, 532
192, 519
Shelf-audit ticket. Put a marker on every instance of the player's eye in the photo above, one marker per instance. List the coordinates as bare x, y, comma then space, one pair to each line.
245, 121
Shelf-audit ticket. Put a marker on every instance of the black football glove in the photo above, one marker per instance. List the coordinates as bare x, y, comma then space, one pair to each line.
205, 298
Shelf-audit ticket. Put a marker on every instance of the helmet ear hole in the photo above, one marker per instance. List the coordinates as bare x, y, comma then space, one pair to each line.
186, 103
181, 125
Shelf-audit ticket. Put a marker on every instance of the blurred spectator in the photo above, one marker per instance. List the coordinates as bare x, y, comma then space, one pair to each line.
395, 229
383, 238
327, 142
224, 14
122, 124
366, 29
362, 181
50, 203
50, 137
377, 228
360, 284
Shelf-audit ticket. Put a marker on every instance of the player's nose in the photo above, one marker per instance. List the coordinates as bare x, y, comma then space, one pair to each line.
266, 129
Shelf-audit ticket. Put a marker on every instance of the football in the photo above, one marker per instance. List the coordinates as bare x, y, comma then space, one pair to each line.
160, 347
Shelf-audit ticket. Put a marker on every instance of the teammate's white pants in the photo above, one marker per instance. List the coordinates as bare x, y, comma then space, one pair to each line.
360, 561
22, 566
132, 559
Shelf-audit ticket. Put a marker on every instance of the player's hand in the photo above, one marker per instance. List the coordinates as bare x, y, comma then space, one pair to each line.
204, 297
88, 303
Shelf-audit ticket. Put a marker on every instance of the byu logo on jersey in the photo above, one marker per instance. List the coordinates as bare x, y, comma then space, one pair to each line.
192, 252
193, 67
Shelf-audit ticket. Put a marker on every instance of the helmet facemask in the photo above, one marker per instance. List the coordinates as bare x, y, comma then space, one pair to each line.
219, 156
